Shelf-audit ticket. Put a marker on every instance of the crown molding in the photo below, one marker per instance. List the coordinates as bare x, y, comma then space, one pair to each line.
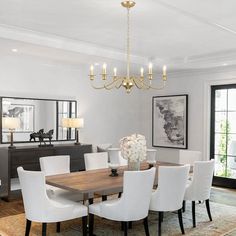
228, 71
58, 42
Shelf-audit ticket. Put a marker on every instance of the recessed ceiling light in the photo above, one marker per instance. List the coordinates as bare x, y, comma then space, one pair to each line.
96, 64
225, 64
14, 50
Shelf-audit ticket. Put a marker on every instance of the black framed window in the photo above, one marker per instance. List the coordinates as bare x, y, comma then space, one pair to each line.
223, 134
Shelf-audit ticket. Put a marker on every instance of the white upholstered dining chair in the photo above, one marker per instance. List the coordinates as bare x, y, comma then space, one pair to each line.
40, 208
189, 157
55, 165
170, 192
97, 160
200, 187
132, 206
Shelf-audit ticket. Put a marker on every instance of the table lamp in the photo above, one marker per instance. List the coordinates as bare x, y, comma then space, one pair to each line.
11, 123
76, 123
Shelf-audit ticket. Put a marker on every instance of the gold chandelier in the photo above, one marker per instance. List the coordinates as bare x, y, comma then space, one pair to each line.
128, 81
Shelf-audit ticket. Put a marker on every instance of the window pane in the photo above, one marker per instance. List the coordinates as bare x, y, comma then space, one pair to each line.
220, 144
221, 100
232, 122
232, 99
220, 166
231, 167
220, 122
232, 144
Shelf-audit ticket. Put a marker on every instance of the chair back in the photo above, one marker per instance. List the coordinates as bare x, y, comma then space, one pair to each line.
151, 155
115, 157
171, 188
54, 165
202, 179
137, 193
34, 193
97, 160
189, 157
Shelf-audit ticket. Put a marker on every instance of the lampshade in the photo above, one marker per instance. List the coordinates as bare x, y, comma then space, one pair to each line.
65, 122
73, 122
10, 122
77, 123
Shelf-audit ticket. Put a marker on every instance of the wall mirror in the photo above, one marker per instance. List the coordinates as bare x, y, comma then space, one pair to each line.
35, 114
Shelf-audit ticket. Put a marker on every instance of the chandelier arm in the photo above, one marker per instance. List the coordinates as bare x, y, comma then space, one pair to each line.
137, 84
121, 80
111, 84
142, 84
95, 87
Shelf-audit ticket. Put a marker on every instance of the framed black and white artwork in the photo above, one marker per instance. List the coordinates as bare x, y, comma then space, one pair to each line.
170, 121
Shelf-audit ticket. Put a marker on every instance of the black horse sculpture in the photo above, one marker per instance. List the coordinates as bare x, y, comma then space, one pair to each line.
42, 136
36, 135
48, 136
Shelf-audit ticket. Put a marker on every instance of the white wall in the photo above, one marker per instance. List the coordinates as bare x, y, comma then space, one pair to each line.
108, 115
197, 85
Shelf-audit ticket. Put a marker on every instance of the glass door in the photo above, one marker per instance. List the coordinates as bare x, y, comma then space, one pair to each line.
223, 134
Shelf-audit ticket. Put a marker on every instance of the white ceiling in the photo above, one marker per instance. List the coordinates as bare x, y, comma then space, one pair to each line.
184, 33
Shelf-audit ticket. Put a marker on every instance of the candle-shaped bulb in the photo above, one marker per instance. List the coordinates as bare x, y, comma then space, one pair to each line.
115, 71
150, 68
104, 68
141, 72
91, 70
164, 70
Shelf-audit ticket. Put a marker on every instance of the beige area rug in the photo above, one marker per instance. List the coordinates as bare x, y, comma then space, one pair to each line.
224, 223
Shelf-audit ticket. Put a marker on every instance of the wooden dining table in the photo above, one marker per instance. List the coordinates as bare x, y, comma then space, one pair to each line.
97, 181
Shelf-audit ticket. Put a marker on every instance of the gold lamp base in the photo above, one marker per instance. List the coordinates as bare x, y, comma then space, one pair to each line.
128, 4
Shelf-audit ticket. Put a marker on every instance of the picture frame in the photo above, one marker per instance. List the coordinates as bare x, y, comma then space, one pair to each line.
170, 121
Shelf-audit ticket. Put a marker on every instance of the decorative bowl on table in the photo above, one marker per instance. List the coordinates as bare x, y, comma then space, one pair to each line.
114, 168
151, 163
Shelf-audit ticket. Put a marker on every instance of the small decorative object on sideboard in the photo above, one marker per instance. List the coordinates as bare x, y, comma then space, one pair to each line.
42, 136
114, 168
36, 135
11, 123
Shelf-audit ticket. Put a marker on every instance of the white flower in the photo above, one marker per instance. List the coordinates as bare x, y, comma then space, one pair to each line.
134, 147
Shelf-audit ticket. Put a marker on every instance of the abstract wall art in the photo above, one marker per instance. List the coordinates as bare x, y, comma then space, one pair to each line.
170, 121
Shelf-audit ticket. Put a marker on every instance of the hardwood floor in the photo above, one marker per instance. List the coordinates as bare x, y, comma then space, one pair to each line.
15, 205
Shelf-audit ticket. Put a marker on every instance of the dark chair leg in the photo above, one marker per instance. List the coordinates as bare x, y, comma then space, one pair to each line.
145, 223
130, 224
104, 198
90, 201
199, 202
181, 221
84, 225
44, 229
208, 209
58, 227
125, 228
91, 223
122, 226
193, 214
119, 195
184, 206
159, 222
27, 228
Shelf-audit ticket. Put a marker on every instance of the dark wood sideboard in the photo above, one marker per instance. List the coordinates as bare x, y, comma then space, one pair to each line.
28, 158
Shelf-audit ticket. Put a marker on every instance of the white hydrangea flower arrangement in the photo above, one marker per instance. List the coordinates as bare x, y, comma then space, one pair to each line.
134, 148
